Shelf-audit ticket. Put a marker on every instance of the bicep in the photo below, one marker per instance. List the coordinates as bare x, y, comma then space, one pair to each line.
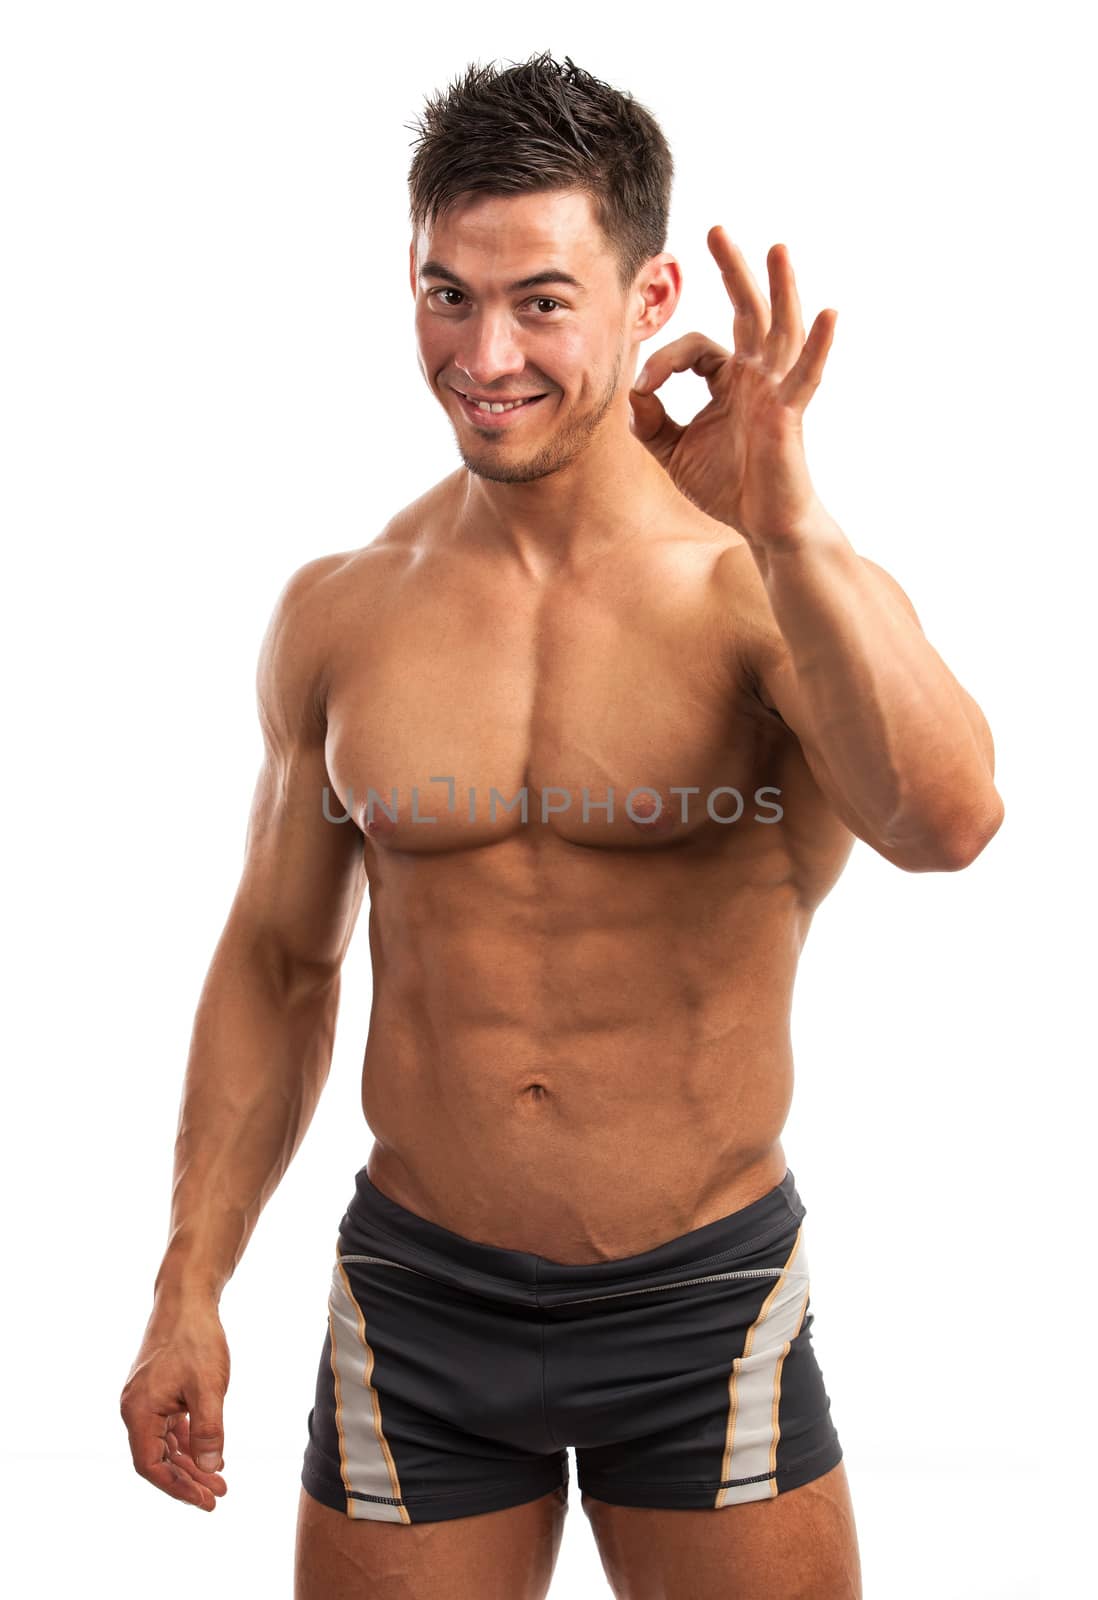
973, 715
774, 681
304, 874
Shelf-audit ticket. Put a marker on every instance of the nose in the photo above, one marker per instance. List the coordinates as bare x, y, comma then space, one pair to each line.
488, 352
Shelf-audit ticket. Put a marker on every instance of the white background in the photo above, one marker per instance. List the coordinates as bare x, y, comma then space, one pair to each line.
209, 378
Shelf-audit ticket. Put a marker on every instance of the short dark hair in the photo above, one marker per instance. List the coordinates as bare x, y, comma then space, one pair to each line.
538, 126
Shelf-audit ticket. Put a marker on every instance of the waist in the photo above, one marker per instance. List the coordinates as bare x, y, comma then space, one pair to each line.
376, 1223
580, 1153
572, 1211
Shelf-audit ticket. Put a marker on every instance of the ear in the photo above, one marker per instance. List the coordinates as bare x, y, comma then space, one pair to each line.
412, 267
660, 284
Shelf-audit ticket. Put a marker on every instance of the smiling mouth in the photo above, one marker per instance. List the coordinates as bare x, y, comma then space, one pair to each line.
495, 418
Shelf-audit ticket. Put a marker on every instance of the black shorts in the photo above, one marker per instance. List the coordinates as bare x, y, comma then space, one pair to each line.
455, 1375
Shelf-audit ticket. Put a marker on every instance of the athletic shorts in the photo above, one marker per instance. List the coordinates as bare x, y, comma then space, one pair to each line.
455, 1375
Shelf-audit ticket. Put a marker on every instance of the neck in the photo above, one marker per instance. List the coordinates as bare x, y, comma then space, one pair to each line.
606, 496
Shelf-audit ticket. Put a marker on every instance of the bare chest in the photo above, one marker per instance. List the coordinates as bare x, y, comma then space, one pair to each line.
608, 712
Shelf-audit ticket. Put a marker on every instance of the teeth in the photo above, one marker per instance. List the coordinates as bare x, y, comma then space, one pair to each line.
485, 405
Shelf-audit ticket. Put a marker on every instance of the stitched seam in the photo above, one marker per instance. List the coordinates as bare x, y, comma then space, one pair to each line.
618, 1294
789, 1224
472, 1272
436, 1494
414, 1499
708, 1484
383, 1261
703, 1483
777, 1231
684, 1283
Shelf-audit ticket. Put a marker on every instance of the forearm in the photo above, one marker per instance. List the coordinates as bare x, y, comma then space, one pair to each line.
880, 710
260, 1054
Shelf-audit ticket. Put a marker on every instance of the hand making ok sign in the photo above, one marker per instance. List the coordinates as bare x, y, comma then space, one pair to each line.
741, 459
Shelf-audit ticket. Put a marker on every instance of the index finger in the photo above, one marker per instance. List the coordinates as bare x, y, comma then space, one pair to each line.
751, 324
693, 352
149, 1436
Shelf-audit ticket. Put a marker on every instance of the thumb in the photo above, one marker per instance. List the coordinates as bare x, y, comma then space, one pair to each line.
658, 432
207, 1436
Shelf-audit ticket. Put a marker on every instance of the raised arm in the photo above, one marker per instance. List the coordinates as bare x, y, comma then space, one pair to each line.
902, 752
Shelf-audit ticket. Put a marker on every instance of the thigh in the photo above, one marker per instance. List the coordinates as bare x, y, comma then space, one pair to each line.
500, 1555
799, 1545
711, 1465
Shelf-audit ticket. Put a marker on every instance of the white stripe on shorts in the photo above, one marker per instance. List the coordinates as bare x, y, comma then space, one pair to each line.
755, 1385
365, 1461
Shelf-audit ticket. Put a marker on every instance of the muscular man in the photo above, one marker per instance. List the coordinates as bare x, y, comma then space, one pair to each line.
597, 719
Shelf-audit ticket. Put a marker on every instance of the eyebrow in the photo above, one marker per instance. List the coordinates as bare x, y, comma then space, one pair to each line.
435, 269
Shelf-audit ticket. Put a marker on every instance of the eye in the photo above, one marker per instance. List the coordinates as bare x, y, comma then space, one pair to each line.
538, 299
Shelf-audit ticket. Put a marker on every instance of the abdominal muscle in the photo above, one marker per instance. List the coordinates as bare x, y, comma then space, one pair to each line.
574, 1075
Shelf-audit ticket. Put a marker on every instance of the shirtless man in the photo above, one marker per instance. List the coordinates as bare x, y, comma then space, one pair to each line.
576, 1226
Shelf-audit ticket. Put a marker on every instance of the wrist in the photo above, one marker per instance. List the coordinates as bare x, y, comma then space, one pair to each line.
181, 1282
817, 532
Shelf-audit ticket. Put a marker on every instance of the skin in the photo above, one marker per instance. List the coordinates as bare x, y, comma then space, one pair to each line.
579, 1043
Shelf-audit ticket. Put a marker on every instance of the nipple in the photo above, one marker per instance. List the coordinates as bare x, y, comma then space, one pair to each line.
642, 811
378, 825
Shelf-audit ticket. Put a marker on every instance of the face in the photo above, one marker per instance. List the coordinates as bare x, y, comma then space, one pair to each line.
482, 330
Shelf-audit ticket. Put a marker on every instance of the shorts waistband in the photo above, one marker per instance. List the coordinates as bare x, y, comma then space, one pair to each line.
775, 1213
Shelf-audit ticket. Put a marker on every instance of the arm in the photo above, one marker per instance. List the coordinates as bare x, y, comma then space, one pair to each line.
902, 752
260, 1051
262, 1041
899, 749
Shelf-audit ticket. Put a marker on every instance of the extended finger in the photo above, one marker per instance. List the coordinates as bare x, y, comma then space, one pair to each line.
751, 323
786, 337
694, 352
801, 381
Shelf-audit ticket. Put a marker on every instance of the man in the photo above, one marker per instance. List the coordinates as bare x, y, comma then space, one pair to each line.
598, 718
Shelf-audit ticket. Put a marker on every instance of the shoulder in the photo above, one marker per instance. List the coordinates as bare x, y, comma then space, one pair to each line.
290, 673
314, 593
313, 608
306, 584
331, 597
296, 620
